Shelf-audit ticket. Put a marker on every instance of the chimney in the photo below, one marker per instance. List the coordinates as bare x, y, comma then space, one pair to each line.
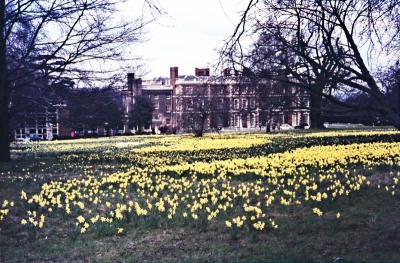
173, 74
131, 78
137, 85
202, 72
227, 72
134, 87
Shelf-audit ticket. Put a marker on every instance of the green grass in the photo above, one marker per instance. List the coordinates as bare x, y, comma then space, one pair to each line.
366, 231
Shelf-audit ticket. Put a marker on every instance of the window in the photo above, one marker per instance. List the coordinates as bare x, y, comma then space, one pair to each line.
190, 122
20, 134
281, 118
305, 102
252, 103
244, 103
168, 121
200, 104
156, 106
189, 104
294, 119
220, 104
20, 131
189, 90
236, 104
168, 108
304, 118
179, 104
168, 97
155, 116
220, 121
237, 120
252, 120
155, 97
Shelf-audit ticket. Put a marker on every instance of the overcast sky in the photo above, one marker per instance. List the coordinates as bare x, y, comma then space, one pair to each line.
189, 36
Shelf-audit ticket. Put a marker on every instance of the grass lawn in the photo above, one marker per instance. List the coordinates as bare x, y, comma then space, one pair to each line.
291, 196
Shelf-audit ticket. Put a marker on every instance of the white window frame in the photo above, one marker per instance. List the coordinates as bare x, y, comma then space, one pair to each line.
252, 103
244, 104
236, 120
252, 120
236, 104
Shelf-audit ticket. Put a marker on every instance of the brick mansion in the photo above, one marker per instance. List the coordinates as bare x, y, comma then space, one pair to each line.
199, 101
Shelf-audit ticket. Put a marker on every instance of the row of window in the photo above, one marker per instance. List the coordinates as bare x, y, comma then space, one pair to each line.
245, 121
220, 105
42, 132
167, 108
219, 90
157, 97
244, 105
157, 116
236, 104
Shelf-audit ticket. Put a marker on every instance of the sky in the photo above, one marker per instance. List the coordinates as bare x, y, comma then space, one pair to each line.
188, 36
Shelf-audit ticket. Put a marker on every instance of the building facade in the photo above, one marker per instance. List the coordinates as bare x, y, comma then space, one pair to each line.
45, 123
199, 101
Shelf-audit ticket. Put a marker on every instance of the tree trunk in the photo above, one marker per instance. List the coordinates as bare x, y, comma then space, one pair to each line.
315, 112
4, 92
398, 105
4, 137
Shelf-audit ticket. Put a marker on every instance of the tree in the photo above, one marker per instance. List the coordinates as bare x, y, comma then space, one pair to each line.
203, 102
196, 107
141, 114
43, 41
105, 107
333, 49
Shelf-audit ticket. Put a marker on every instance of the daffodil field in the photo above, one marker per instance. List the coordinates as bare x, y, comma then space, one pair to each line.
241, 184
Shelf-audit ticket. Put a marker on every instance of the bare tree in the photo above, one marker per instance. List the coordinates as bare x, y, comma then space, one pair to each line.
105, 107
332, 48
44, 40
202, 105
195, 107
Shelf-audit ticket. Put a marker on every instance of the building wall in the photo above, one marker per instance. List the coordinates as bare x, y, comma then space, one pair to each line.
162, 99
226, 103
63, 130
49, 125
